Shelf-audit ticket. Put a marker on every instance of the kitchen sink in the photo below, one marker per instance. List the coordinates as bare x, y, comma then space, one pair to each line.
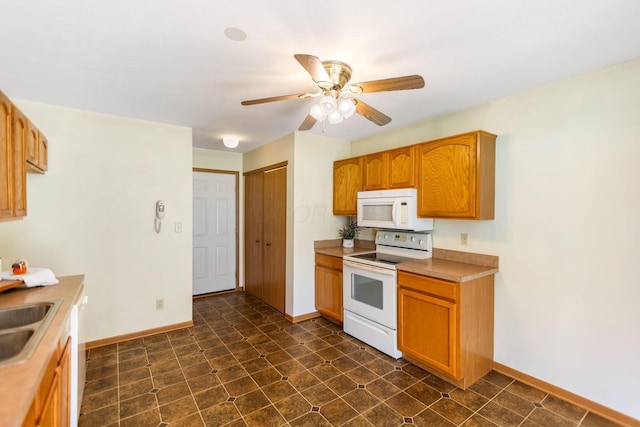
22, 328
14, 317
12, 342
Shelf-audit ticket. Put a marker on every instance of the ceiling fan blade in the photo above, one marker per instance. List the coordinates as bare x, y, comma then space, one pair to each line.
308, 123
396, 83
314, 67
371, 113
276, 98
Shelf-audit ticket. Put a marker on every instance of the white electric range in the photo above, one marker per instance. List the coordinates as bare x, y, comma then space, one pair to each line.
370, 290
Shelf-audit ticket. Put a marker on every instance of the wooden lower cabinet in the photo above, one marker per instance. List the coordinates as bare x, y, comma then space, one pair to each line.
446, 327
51, 404
329, 287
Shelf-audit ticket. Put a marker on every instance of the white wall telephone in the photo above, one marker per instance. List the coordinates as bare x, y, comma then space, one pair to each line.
159, 215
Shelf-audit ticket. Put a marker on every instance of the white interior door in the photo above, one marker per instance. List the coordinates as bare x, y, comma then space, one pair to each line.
214, 232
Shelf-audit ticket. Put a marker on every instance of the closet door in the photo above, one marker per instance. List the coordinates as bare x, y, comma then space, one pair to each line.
274, 234
253, 243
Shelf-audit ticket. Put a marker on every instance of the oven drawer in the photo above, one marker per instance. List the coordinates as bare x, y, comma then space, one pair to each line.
429, 285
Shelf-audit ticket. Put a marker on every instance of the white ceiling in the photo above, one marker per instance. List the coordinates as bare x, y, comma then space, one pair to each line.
169, 61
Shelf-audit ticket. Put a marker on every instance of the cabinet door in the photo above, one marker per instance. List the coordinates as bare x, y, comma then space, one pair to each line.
65, 384
6, 159
50, 415
32, 144
447, 173
19, 127
43, 152
347, 181
428, 330
402, 168
253, 243
329, 292
375, 171
274, 235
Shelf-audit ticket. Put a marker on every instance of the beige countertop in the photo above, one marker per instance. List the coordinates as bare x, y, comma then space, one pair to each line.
19, 382
444, 269
334, 247
446, 264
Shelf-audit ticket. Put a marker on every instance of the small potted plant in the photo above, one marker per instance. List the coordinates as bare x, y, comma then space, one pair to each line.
348, 232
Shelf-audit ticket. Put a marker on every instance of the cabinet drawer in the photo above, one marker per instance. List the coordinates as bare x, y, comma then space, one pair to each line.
329, 261
429, 285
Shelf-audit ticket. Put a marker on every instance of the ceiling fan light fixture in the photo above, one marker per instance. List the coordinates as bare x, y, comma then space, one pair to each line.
317, 113
335, 117
230, 141
328, 104
346, 107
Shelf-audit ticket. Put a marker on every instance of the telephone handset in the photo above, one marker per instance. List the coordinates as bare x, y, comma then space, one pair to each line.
160, 210
159, 215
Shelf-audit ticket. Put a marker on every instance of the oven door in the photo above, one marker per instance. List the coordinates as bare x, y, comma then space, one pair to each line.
370, 292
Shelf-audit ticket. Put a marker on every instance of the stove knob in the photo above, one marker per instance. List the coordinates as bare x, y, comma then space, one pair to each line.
420, 242
386, 236
413, 239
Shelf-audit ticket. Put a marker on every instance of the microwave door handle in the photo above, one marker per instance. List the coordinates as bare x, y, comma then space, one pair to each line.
394, 212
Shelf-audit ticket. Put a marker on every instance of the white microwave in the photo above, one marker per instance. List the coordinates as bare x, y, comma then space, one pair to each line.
392, 209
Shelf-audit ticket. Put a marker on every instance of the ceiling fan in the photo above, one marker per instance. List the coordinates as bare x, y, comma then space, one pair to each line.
332, 78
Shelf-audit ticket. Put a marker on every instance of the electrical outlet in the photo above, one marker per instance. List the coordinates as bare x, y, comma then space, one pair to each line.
178, 227
464, 239
159, 304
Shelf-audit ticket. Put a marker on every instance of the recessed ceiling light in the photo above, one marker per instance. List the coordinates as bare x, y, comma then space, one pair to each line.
235, 34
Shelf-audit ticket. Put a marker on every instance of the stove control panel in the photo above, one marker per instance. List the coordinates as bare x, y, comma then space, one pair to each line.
403, 239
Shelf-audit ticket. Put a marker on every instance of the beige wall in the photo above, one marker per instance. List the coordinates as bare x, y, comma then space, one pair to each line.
93, 212
309, 205
313, 210
566, 229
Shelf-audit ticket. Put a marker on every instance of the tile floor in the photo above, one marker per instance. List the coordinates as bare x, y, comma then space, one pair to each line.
244, 364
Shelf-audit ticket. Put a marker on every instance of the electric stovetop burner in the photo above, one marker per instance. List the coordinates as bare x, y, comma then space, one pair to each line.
383, 258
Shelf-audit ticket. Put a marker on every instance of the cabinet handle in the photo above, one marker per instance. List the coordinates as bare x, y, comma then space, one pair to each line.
257, 241
268, 244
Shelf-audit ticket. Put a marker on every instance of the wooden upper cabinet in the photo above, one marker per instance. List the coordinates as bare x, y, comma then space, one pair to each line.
36, 149
32, 144
6, 159
389, 169
19, 129
402, 167
456, 177
347, 181
375, 171
43, 152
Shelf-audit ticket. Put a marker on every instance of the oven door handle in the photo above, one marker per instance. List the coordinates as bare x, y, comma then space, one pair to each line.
367, 267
